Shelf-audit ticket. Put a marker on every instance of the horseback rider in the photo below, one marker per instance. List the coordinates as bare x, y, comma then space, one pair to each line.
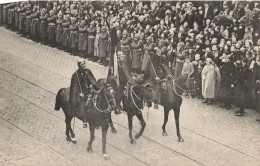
80, 98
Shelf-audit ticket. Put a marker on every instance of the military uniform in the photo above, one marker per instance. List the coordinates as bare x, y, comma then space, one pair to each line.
66, 34
149, 52
28, 20
91, 39
22, 17
83, 39
59, 30
137, 54
73, 38
16, 18
35, 25
103, 45
51, 20
43, 26
125, 47
241, 85
11, 16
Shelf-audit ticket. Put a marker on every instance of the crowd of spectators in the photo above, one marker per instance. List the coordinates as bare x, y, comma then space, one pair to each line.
216, 43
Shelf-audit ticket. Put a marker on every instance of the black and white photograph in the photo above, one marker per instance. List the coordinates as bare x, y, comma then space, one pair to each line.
129, 83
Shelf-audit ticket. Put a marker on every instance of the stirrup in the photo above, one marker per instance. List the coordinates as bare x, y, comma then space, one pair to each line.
85, 125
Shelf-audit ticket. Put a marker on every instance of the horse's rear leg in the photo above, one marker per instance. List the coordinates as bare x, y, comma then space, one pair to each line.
92, 137
68, 126
166, 115
113, 130
130, 127
140, 117
176, 115
73, 138
104, 141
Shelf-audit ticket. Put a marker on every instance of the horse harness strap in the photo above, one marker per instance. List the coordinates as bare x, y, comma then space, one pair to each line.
133, 98
94, 100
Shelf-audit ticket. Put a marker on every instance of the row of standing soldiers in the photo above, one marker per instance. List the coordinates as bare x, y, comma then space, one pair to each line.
73, 34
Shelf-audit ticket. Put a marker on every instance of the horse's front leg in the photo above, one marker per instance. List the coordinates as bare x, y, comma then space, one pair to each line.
166, 115
113, 130
130, 127
176, 115
92, 137
68, 126
140, 117
104, 141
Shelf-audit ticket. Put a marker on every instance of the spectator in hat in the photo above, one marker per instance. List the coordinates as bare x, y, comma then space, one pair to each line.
210, 81
137, 54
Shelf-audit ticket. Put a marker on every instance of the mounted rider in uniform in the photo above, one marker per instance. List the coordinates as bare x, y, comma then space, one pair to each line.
80, 91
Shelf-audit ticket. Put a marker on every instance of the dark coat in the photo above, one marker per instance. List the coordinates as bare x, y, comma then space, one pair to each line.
80, 83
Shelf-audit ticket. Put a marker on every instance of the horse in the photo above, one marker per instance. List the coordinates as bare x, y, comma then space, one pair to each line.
170, 93
136, 96
98, 114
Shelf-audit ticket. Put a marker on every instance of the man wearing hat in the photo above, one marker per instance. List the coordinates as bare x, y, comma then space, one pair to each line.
65, 33
103, 46
91, 39
149, 52
35, 24
59, 29
73, 38
80, 91
28, 20
124, 46
22, 17
137, 54
51, 20
82, 43
43, 25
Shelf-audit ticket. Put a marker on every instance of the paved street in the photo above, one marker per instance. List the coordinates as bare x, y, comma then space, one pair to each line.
32, 133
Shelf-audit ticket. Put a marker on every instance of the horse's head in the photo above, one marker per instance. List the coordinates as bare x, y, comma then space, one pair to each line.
109, 95
148, 94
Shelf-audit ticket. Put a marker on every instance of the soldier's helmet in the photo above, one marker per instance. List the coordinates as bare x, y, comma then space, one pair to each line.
83, 23
81, 63
44, 11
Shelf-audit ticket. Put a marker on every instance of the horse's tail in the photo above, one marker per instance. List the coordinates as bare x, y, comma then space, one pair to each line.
57, 103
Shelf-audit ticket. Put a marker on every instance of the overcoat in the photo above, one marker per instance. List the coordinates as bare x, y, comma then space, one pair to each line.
59, 31
103, 44
83, 39
137, 54
91, 40
66, 34
148, 51
73, 39
210, 81
51, 27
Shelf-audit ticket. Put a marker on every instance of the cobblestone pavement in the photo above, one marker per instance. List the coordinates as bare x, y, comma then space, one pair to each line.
32, 133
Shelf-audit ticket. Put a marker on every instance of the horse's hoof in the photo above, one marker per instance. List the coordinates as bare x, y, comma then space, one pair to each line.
113, 130
180, 139
68, 139
164, 133
106, 157
137, 136
133, 141
89, 149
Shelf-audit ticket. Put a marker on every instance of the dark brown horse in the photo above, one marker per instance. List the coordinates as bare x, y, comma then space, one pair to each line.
98, 114
170, 93
136, 96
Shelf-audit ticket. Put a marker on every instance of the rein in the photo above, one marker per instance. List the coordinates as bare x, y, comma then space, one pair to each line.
94, 100
132, 92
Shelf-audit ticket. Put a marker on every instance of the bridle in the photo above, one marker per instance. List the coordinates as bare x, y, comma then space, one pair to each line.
132, 93
94, 100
